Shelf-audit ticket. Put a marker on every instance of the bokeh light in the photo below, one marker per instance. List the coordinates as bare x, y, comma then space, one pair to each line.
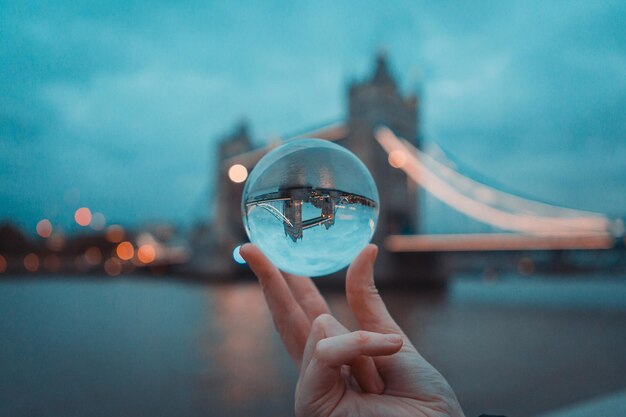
31, 262
44, 228
525, 266
83, 216
237, 256
397, 158
125, 251
52, 263
115, 233
56, 242
80, 263
237, 173
98, 221
3, 264
93, 255
113, 267
146, 254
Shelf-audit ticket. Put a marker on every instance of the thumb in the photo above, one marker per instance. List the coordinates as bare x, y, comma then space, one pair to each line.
363, 297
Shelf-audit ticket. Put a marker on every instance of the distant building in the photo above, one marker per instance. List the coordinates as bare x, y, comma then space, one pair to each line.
227, 222
372, 103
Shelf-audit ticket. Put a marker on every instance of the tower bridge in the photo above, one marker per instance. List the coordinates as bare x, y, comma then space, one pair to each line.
382, 129
292, 200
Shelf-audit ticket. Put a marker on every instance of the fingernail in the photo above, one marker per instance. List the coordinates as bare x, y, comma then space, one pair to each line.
393, 338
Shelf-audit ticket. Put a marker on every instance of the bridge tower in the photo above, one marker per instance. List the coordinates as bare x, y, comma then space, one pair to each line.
229, 229
372, 103
378, 102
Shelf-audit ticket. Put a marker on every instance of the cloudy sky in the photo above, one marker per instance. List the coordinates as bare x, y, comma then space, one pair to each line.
117, 105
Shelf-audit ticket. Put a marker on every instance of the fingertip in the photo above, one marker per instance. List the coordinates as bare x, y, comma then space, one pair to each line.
250, 253
363, 297
245, 249
257, 261
393, 339
373, 252
361, 271
364, 257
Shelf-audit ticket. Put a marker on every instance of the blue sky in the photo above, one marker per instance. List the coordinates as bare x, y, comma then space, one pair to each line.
117, 105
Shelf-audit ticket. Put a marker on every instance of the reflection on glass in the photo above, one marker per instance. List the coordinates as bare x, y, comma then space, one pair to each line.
310, 206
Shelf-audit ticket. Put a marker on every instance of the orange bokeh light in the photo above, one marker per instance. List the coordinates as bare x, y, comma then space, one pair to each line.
56, 242
83, 216
31, 262
115, 233
44, 228
113, 267
125, 251
146, 254
93, 255
397, 158
237, 173
3, 264
526, 266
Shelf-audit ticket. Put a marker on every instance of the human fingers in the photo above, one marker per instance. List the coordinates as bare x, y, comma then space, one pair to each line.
335, 351
363, 367
331, 353
289, 319
307, 295
363, 297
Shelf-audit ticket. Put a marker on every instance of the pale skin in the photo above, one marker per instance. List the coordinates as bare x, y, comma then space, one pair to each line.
373, 371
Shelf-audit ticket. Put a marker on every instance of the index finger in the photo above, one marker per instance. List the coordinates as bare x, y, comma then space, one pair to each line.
289, 319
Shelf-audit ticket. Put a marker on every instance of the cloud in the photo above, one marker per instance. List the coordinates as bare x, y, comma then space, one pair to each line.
125, 101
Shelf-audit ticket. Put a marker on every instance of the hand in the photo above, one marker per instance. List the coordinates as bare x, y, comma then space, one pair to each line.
375, 371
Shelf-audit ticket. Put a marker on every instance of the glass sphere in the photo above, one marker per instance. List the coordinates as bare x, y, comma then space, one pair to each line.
310, 206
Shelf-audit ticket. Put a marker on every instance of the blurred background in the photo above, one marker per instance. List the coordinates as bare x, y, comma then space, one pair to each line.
494, 130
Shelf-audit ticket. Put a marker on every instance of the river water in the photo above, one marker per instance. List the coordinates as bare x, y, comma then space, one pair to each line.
121, 347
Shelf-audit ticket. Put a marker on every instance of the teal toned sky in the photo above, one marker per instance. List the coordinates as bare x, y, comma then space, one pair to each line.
117, 105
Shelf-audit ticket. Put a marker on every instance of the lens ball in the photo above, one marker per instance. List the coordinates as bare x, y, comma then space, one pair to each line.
310, 206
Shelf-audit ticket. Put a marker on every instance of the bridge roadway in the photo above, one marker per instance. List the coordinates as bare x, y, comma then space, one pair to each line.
426, 261
498, 242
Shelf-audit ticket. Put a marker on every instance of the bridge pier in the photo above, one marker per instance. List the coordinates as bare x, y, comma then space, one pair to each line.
416, 270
